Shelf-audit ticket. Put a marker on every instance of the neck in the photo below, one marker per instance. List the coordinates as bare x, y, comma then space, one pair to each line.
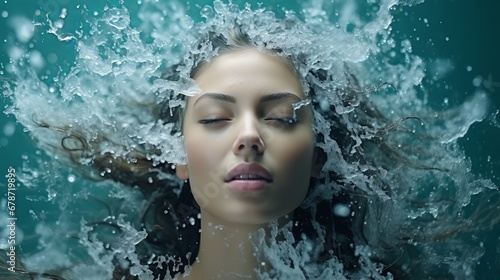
226, 250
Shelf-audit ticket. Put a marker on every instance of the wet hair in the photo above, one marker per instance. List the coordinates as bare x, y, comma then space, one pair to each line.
336, 235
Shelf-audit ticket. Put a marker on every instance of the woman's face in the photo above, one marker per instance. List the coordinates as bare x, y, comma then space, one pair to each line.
243, 117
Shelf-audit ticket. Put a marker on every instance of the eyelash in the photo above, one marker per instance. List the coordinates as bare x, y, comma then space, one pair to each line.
287, 122
211, 121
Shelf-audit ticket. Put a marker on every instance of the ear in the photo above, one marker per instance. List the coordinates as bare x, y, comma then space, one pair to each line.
316, 164
182, 172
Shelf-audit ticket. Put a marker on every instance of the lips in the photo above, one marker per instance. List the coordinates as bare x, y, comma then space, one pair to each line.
250, 172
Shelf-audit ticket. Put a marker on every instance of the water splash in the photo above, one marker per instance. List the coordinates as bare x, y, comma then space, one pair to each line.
117, 76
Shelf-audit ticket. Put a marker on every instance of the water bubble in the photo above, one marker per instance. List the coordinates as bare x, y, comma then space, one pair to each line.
192, 221
207, 12
477, 81
341, 210
59, 23
406, 46
15, 53
5, 14
71, 178
469, 68
36, 60
23, 28
324, 104
64, 13
9, 129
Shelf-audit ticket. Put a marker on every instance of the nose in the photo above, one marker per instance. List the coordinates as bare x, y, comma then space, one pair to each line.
249, 140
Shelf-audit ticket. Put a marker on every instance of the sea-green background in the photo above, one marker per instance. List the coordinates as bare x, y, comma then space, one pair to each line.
463, 31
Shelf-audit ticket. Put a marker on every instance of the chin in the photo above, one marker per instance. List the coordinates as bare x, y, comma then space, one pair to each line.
252, 215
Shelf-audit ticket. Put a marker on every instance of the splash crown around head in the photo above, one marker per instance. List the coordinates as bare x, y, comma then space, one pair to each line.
117, 113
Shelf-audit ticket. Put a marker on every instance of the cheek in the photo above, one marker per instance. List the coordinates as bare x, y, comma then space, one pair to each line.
295, 156
204, 156
199, 155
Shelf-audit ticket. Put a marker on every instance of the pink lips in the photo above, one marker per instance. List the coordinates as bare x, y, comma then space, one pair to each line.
248, 177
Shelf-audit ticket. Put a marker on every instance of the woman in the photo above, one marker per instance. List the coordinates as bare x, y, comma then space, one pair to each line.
290, 168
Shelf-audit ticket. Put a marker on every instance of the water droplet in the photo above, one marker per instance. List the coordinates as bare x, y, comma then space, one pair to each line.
477, 81
207, 12
71, 178
64, 13
59, 23
36, 60
23, 27
9, 129
341, 210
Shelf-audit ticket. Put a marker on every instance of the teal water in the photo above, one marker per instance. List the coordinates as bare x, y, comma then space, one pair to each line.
458, 33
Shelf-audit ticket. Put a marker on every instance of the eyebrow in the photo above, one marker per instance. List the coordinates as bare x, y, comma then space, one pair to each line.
266, 98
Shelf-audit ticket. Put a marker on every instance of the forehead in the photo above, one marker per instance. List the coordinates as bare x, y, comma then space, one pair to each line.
248, 70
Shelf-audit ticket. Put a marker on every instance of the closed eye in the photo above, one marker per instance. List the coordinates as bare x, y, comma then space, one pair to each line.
212, 121
279, 121
284, 121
